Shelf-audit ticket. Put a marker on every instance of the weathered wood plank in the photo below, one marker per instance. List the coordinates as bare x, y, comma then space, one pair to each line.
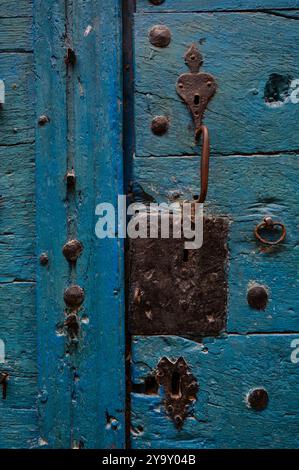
99, 409
226, 370
55, 375
17, 207
16, 34
240, 52
17, 114
18, 331
244, 189
214, 5
9, 9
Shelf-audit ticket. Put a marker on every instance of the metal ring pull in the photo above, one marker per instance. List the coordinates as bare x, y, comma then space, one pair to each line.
205, 162
268, 224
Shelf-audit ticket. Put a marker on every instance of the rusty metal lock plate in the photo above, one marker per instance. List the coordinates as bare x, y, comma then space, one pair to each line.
173, 291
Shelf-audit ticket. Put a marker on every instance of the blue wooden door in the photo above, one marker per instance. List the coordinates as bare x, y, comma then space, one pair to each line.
247, 375
61, 330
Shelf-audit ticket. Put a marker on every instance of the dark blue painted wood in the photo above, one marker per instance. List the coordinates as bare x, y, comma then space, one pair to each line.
254, 164
99, 410
55, 375
19, 418
226, 370
240, 52
82, 385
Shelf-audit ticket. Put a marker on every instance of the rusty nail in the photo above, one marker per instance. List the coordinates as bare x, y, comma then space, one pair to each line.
70, 58
3, 381
74, 296
72, 250
160, 36
44, 259
257, 297
258, 399
160, 125
43, 119
71, 179
157, 2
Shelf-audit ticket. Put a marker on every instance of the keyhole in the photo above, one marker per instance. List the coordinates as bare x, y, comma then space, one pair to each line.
196, 100
185, 255
176, 385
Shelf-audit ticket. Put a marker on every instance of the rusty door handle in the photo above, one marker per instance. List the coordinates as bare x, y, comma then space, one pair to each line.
196, 89
205, 162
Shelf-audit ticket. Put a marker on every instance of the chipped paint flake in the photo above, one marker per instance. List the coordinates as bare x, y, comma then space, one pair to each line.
88, 30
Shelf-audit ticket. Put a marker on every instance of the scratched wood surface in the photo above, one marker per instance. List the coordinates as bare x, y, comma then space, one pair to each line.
99, 411
214, 5
60, 395
226, 370
240, 52
19, 418
254, 163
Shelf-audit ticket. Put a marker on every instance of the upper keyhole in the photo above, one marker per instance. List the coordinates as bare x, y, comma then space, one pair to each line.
196, 99
176, 385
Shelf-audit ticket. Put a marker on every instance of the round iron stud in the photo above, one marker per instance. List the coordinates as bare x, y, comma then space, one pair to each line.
258, 399
73, 296
257, 297
72, 250
160, 125
160, 36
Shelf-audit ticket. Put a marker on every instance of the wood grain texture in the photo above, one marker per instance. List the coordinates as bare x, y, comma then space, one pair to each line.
17, 209
17, 114
55, 375
241, 53
19, 417
226, 370
99, 410
9, 9
245, 189
16, 34
214, 5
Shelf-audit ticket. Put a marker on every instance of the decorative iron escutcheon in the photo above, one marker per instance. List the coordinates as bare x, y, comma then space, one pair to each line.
180, 388
196, 88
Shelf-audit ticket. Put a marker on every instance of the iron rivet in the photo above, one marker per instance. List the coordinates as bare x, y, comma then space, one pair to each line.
258, 399
160, 36
157, 2
72, 250
160, 125
170, 409
42, 120
73, 296
257, 297
44, 259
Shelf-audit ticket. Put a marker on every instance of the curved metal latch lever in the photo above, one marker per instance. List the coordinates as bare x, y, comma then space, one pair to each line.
196, 89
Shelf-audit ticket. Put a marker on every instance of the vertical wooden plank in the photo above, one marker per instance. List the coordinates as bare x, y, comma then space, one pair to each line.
99, 361
51, 157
